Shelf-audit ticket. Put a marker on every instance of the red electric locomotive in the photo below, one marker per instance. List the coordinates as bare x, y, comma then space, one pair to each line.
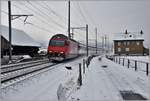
61, 47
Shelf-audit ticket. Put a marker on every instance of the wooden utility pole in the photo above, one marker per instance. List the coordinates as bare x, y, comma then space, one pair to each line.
69, 19
87, 50
96, 39
10, 31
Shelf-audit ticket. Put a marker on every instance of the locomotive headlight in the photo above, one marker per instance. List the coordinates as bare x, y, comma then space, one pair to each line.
50, 51
61, 52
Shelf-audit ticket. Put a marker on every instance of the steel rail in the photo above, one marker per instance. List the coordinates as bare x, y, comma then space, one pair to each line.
22, 66
15, 74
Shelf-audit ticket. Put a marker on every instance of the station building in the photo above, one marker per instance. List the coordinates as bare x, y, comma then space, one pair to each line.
129, 43
22, 43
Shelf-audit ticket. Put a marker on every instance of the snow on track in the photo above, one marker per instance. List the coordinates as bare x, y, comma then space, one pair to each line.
41, 87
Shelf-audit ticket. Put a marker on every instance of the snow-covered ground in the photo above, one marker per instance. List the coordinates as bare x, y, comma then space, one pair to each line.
99, 83
106, 83
41, 87
142, 62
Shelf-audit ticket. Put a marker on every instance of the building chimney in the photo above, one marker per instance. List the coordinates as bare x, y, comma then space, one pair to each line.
141, 32
126, 32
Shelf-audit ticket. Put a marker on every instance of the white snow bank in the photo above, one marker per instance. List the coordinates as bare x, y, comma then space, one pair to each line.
70, 83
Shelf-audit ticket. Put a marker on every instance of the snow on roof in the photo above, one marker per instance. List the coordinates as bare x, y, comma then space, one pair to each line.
129, 36
19, 37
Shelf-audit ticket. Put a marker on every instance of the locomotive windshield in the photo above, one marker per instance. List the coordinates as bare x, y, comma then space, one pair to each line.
57, 43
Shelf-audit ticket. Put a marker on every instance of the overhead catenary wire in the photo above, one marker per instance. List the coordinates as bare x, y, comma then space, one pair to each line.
82, 15
51, 11
41, 14
89, 16
79, 8
37, 26
42, 19
34, 12
51, 19
75, 11
60, 16
44, 29
39, 4
55, 13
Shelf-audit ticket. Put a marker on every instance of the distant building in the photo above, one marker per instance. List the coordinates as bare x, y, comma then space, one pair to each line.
129, 43
4, 46
22, 44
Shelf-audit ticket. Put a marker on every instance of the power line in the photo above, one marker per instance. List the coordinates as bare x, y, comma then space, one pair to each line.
81, 12
82, 15
89, 16
44, 29
41, 5
54, 13
58, 15
50, 11
76, 13
42, 20
61, 26
36, 17
88, 46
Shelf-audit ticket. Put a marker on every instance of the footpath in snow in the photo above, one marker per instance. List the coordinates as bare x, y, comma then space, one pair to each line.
106, 80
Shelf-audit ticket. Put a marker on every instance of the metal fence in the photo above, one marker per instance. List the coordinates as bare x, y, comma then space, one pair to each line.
131, 63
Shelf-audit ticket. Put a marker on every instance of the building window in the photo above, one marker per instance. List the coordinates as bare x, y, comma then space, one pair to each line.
119, 43
128, 43
133, 42
138, 43
127, 49
119, 49
125, 43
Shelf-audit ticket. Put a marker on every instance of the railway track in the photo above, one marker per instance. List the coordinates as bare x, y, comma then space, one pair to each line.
13, 72
14, 67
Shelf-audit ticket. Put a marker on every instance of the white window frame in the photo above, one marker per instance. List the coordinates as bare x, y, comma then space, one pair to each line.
137, 43
127, 49
128, 43
119, 49
119, 43
125, 43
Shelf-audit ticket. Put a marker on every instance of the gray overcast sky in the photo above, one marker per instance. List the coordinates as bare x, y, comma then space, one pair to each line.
109, 17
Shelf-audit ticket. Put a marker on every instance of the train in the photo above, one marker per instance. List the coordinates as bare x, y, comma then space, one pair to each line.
62, 48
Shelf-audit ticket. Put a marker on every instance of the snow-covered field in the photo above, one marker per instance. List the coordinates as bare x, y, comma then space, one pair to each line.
103, 80
41, 87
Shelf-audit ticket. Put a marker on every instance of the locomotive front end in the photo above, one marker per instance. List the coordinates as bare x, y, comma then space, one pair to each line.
57, 48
